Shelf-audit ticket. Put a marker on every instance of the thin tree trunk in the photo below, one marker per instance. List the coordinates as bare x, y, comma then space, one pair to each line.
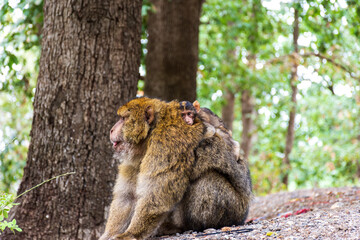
358, 160
358, 169
171, 61
247, 114
228, 110
293, 82
248, 101
88, 67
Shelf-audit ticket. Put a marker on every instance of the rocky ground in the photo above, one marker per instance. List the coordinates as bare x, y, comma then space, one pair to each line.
332, 213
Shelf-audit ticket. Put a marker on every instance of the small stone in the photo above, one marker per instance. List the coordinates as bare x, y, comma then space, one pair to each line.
290, 223
337, 205
210, 230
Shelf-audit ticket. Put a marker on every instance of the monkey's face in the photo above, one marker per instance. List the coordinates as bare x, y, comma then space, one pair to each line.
116, 135
133, 125
188, 116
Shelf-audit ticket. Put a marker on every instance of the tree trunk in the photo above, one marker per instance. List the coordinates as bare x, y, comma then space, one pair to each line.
228, 110
171, 61
358, 145
247, 113
293, 82
89, 66
248, 106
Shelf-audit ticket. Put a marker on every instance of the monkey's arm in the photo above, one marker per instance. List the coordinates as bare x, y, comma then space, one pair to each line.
119, 218
123, 203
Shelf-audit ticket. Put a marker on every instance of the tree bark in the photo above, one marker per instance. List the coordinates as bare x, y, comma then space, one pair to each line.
228, 110
247, 113
293, 83
171, 61
248, 107
89, 66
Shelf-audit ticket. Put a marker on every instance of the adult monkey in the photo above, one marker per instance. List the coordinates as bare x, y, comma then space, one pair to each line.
171, 179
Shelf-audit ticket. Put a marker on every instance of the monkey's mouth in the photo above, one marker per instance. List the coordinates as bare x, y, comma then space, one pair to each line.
115, 143
118, 145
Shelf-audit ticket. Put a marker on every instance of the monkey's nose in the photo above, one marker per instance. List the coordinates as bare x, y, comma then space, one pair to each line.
111, 131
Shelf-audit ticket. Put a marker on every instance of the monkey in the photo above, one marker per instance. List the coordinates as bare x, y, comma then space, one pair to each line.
218, 171
189, 114
213, 123
170, 178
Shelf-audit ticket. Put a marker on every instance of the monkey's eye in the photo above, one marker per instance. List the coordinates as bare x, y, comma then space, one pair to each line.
125, 116
189, 114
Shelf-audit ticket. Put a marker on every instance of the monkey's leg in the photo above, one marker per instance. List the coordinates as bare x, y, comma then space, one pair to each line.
212, 202
174, 222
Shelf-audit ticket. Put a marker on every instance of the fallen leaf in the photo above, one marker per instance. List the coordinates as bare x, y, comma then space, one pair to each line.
270, 233
226, 229
286, 215
304, 210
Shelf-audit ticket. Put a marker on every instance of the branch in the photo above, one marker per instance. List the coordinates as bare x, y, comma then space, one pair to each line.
333, 62
44, 182
278, 59
311, 54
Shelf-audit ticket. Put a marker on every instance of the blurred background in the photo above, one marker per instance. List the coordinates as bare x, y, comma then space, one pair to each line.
284, 76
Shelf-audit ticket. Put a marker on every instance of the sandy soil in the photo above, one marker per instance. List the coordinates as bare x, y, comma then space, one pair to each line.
332, 213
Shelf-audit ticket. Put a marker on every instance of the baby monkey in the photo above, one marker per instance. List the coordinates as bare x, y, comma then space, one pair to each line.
188, 112
212, 122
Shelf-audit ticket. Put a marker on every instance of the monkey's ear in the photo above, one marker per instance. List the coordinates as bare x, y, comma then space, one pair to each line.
196, 104
149, 114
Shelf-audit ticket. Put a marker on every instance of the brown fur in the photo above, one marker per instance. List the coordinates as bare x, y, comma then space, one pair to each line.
208, 116
212, 122
170, 180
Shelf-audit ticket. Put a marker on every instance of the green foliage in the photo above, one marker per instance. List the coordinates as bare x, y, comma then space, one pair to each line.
329, 146
10, 168
20, 45
6, 203
247, 45
20, 27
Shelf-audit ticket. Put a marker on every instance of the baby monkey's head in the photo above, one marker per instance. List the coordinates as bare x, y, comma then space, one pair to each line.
188, 112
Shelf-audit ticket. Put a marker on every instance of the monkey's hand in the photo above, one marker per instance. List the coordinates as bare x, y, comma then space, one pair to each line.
210, 131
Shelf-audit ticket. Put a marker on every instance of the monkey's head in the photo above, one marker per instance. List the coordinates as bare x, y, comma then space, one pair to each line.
136, 118
188, 112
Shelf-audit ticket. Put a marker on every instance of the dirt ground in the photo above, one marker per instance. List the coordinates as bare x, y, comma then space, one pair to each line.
331, 213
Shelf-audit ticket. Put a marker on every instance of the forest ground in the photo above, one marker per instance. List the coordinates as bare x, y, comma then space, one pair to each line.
330, 213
